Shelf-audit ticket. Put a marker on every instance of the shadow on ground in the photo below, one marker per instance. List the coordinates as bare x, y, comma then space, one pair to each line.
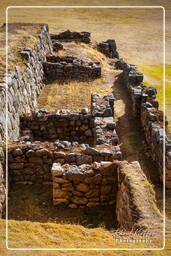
34, 203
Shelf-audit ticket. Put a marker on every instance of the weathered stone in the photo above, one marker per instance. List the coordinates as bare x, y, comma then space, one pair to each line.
91, 151
83, 159
60, 201
93, 204
60, 180
17, 152
92, 193
57, 170
60, 194
16, 166
79, 200
82, 187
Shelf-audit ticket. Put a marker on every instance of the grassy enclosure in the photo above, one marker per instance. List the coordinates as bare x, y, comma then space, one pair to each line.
138, 34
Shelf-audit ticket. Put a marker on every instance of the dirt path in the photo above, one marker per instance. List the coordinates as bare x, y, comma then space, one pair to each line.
132, 141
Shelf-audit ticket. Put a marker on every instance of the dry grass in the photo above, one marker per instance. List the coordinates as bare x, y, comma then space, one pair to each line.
76, 95
141, 48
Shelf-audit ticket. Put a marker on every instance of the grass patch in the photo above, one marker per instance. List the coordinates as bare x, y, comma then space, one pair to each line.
75, 95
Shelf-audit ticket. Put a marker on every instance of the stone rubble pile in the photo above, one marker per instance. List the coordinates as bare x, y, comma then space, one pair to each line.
69, 67
108, 48
84, 185
68, 35
145, 107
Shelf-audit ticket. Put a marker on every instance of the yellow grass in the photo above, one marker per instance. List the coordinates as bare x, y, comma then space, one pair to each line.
76, 95
139, 44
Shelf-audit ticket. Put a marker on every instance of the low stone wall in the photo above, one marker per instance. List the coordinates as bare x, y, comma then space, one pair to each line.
31, 163
69, 67
102, 106
86, 185
145, 108
72, 36
136, 208
108, 48
51, 126
103, 110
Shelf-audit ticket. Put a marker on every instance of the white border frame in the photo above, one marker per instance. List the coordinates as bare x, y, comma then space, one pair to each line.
164, 57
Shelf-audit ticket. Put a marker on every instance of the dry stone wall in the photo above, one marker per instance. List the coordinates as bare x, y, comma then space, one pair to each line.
67, 126
108, 48
145, 108
31, 163
23, 87
69, 67
103, 110
68, 35
84, 185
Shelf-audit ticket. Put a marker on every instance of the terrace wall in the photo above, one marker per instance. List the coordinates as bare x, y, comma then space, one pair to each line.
23, 87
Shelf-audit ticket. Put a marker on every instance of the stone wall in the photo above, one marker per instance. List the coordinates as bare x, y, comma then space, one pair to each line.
69, 67
103, 110
51, 126
24, 85
136, 208
84, 185
68, 35
145, 108
108, 48
31, 163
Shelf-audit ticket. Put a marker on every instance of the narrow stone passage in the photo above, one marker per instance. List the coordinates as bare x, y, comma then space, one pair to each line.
131, 137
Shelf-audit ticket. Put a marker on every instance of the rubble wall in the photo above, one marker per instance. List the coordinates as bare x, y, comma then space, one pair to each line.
69, 67
32, 163
84, 185
52, 126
